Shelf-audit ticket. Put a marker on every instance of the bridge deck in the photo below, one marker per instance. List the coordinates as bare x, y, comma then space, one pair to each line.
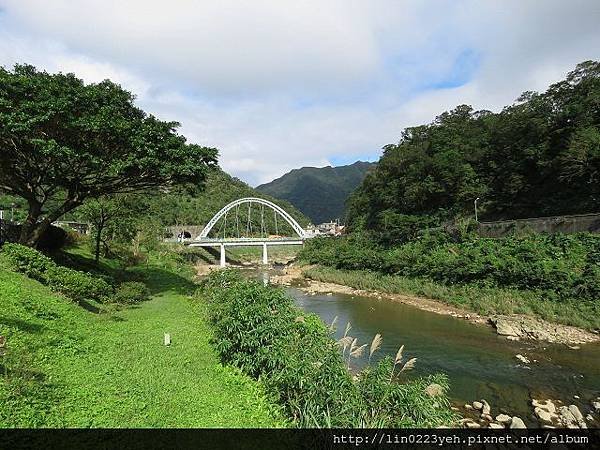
239, 242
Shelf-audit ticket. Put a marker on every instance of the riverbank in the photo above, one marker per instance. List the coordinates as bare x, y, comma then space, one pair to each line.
63, 365
462, 302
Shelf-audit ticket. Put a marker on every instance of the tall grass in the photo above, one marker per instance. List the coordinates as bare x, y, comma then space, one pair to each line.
258, 329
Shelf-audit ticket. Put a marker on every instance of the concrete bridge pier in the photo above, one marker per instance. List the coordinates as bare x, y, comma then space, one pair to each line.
265, 255
223, 264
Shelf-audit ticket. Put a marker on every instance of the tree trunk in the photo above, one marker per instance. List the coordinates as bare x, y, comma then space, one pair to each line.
37, 232
28, 226
33, 229
99, 228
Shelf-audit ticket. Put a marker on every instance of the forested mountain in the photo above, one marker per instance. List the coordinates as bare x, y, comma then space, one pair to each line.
319, 192
197, 207
537, 157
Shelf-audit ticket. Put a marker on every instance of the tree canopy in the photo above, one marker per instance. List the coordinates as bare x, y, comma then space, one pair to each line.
539, 156
63, 141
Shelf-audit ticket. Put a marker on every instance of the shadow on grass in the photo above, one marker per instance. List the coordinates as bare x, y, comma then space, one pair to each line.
22, 325
160, 280
22, 374
89, 306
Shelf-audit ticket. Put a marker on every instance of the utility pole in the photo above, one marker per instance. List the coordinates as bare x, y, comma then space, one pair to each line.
476, 220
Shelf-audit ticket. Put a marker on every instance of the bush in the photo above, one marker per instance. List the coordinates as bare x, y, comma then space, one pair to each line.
562, 266
78, 286
54, 238
27, 260
258, 329
131, 292
74, 284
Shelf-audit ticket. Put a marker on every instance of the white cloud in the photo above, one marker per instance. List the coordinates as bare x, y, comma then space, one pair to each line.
277, 85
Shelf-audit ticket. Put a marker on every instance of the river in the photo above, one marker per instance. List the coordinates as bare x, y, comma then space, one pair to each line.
479, 363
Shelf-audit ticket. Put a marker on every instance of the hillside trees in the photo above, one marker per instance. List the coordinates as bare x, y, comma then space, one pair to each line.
63, 141
539, 156
113, 218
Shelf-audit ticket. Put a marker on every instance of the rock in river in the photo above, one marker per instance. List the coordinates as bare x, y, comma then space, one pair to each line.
571, 417
544, 415
517, 422
503, 418
485, 409
503, 327
434, 390
548, 405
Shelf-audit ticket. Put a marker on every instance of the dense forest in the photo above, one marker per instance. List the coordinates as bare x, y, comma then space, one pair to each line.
537, 157
319, 192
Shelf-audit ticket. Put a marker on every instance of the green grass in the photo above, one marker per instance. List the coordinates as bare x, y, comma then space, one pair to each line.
66, 366
480, 299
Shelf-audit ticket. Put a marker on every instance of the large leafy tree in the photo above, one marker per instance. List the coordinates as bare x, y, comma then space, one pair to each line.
62, 142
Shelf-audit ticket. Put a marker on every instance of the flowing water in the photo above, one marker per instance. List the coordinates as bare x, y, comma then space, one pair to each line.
478, 362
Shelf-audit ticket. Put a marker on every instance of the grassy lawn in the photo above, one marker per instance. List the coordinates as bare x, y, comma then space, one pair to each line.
66, 366
480, 299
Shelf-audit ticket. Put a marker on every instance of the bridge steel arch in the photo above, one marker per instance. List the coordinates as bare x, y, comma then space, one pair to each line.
288, 218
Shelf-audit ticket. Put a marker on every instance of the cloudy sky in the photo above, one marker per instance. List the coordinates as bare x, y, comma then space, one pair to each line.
277, 85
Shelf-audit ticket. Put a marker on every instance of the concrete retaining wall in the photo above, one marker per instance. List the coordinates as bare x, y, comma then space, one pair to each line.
557, 224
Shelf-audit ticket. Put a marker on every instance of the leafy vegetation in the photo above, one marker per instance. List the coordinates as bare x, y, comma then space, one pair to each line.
484, 300
131, 292
77, 285
258, 329
66, 366
319, 192
560, 272
537, 157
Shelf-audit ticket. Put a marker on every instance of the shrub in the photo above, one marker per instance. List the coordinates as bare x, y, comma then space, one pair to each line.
258, 329
401, 405
562, 266
54, 238
131, 292
27, 260
74, 284
77, 285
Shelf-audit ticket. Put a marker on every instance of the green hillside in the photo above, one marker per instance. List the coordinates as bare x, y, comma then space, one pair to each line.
88, 364
198, 207
319, 192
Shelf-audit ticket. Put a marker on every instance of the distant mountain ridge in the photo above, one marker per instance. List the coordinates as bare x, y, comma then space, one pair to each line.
318, 192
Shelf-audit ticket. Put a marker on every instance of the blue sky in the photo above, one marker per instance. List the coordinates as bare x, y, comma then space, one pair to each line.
277, 85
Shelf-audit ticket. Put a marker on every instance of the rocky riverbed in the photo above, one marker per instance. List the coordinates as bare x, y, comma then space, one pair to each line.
545, 413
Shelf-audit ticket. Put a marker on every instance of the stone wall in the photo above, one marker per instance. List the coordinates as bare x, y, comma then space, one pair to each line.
558, 224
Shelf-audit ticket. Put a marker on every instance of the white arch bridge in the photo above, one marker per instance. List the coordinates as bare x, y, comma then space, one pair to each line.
244, 231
